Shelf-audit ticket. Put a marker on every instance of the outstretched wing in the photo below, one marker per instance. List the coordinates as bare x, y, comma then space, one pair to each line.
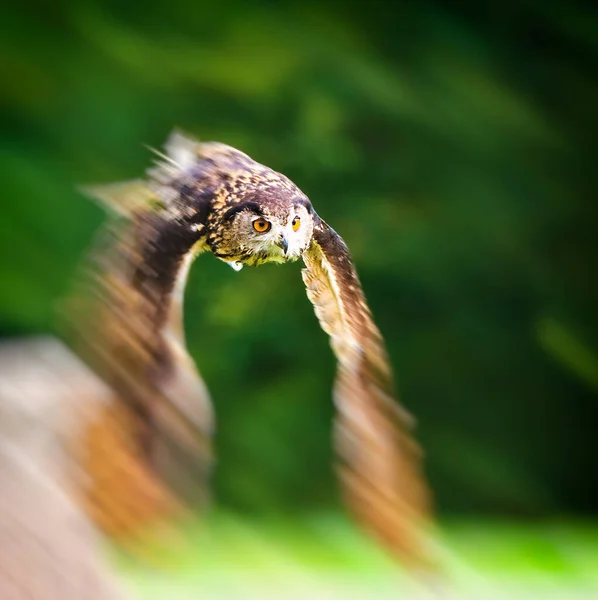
145, 454
379, 462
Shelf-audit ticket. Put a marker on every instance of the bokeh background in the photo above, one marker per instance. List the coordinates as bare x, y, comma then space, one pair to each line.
453, 148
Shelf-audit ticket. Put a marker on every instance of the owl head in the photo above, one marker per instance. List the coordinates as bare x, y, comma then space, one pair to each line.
256, 215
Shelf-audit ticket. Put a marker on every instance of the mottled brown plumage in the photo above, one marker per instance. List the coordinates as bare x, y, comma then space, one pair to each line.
211, 197
379, 462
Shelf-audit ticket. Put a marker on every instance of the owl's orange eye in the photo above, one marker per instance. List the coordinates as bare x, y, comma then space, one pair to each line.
261, 225
296, 223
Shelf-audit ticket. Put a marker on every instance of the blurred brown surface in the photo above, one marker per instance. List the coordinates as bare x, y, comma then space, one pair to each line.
48, 548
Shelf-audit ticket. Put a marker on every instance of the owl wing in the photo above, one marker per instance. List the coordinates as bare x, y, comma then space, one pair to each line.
145, 454
379, 462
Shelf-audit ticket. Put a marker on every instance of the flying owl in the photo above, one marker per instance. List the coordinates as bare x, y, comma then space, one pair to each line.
211, 198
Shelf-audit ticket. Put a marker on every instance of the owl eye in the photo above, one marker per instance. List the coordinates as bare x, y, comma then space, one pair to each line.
296, 223
261, 225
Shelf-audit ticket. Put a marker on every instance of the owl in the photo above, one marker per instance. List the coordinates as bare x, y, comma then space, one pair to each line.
207, 197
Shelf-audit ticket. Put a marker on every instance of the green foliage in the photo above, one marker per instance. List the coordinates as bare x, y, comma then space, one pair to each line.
450, 150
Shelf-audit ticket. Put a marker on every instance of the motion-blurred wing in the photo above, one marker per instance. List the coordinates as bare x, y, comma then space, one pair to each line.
379, 462
146, 455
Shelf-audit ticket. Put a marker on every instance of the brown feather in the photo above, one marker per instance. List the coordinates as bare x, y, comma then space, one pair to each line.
146, 456
379, 462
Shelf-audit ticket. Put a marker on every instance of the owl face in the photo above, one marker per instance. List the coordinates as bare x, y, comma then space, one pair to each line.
262, 228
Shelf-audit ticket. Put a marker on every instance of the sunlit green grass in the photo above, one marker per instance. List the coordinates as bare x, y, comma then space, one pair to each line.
326, 557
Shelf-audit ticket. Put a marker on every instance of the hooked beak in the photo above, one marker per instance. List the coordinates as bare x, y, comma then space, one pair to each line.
283, 243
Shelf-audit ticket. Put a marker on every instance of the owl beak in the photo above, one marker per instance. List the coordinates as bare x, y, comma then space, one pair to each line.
283, 243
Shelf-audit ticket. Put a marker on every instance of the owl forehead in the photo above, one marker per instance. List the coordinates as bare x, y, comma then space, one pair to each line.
271, 199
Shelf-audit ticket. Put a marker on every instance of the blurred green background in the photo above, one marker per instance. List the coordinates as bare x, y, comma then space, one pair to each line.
452, 149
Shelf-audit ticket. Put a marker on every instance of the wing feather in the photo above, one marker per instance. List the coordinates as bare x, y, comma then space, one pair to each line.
379, 462
146, 456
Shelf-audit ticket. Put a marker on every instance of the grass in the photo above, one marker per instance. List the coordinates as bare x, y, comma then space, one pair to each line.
325, 557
